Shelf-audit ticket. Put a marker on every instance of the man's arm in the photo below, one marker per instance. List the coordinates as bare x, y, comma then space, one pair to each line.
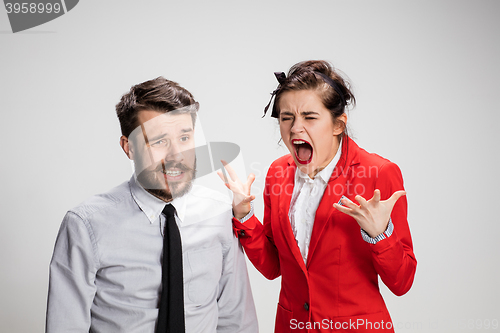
72, 275
235, 301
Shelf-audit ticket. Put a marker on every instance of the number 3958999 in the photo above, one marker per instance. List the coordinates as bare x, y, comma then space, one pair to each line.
32, 8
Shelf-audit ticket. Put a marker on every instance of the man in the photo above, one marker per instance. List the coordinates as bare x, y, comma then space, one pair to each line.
110, 260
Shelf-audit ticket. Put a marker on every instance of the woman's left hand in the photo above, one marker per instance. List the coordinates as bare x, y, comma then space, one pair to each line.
241, 191
372, 215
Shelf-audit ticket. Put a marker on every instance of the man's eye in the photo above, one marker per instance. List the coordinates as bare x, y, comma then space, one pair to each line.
310, 118
184, 138
286, 118
159, 143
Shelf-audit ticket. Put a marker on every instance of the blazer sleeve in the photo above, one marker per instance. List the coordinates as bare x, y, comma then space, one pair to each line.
393, 257
257, 239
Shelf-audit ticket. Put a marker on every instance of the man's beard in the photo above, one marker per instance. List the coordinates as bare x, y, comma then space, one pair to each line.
153, 180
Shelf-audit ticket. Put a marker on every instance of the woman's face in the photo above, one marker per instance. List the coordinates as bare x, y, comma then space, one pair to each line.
308, 130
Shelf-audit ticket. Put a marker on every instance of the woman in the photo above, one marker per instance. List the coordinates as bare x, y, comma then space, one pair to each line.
328, 249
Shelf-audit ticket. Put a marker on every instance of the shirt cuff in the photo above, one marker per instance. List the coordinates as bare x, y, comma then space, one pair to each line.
249, 215
387, 233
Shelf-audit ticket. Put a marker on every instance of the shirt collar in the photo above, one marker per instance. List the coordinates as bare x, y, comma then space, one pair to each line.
151, 206
324, 174
180, 206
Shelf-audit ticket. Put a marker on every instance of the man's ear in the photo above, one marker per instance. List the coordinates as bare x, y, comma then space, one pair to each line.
125, 144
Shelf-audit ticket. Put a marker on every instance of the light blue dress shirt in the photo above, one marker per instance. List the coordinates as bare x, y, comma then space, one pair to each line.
105, 274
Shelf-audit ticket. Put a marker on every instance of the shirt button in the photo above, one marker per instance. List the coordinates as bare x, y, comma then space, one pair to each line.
306, 306
242, 233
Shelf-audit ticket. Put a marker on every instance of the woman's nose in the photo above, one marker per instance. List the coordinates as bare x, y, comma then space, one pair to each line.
297, 126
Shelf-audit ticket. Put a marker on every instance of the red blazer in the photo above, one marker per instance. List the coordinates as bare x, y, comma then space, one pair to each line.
338, 288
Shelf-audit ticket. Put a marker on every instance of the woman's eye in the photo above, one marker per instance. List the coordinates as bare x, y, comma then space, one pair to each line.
310, 118
285, 118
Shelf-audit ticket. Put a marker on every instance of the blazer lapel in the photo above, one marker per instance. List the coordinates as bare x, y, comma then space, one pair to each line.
336, 187
284, 207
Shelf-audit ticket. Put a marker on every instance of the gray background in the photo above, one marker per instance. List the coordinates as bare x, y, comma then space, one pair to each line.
425, 73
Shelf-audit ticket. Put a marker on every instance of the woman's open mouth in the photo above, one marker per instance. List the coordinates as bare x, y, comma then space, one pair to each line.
303, 151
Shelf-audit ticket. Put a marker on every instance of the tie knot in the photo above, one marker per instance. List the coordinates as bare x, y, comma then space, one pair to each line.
169, 210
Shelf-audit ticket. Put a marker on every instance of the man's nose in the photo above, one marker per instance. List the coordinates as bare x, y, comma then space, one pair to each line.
175, 153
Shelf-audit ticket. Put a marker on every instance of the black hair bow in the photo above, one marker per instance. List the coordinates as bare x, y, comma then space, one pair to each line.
281, 77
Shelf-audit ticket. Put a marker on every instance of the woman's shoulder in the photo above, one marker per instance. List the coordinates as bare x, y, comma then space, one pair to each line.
365, 157
279, 166
374, 164
284, 160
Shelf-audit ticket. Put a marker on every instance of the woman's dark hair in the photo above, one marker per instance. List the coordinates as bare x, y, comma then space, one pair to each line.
308, 75
158, 94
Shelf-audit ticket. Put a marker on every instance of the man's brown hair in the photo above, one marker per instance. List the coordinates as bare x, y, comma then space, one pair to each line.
158, 94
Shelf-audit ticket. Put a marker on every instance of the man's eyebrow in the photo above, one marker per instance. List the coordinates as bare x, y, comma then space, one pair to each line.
287, 113
163, 135
186, 130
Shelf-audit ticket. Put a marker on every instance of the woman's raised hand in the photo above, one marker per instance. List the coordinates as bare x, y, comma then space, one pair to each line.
372, 215
241, 191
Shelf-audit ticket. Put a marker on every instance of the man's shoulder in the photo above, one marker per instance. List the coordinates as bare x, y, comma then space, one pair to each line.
106, 202
204, 204
210, 196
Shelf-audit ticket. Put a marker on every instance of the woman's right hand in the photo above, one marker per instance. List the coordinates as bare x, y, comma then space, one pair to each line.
241, 191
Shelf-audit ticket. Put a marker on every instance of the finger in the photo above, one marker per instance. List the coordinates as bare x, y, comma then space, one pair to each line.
224, 170
343, 209
395, 196
223, 177
376, 195
230, 171
362, 201
250, 180
249, 198
349, 203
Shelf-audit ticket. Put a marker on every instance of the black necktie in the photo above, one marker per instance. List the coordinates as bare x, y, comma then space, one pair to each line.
171, 313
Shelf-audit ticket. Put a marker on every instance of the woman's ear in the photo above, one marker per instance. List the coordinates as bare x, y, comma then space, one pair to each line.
125, 144
340, 124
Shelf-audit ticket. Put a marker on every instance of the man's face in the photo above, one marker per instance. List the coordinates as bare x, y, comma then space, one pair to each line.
163, 153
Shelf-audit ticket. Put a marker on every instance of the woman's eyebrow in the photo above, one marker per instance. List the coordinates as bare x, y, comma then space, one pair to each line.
308, 113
